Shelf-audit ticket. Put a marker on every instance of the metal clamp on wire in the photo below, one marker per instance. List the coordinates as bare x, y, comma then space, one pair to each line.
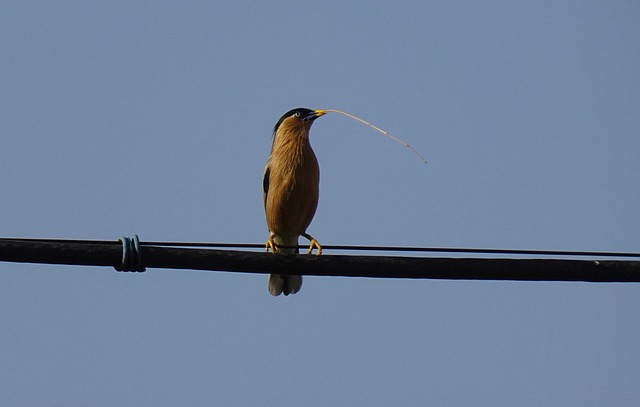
131, 255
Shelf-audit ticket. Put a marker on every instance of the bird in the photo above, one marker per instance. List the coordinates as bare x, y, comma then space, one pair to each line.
290, 191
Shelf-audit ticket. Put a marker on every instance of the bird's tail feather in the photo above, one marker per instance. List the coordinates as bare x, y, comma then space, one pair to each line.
285, 284
281, 284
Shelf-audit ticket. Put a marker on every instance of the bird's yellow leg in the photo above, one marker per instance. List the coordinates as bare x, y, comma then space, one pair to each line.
271, 244
314, 244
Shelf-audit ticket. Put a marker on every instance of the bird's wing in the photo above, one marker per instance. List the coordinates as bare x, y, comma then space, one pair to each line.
265, 184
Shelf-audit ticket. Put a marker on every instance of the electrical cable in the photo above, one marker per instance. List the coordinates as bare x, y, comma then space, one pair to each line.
355, 248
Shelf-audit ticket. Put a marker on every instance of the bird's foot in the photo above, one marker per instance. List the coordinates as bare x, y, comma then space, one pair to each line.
271, 245
314, 244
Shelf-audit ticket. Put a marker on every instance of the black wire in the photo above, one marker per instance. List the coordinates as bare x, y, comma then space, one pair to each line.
416, 249
354, 248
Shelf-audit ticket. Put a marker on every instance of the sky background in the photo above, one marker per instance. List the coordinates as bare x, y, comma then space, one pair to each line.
155, 118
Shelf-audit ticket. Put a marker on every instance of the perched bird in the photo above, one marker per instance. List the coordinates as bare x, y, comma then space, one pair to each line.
290, 184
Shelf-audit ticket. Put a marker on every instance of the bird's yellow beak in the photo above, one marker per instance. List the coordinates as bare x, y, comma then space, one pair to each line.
312, 115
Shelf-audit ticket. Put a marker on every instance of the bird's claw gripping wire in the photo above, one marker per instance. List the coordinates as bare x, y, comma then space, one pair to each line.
271, 245
313, 245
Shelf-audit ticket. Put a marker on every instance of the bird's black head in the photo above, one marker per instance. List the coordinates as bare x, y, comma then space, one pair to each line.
301, 113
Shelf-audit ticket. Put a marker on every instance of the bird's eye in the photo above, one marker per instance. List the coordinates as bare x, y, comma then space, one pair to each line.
296, 114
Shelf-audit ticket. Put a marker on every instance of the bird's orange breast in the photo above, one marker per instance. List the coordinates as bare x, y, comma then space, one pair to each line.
293, 186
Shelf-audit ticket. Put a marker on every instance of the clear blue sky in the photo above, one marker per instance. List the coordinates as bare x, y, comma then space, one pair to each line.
155, 118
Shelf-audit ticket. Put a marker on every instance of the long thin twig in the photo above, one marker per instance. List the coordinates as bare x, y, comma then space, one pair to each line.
386, 133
